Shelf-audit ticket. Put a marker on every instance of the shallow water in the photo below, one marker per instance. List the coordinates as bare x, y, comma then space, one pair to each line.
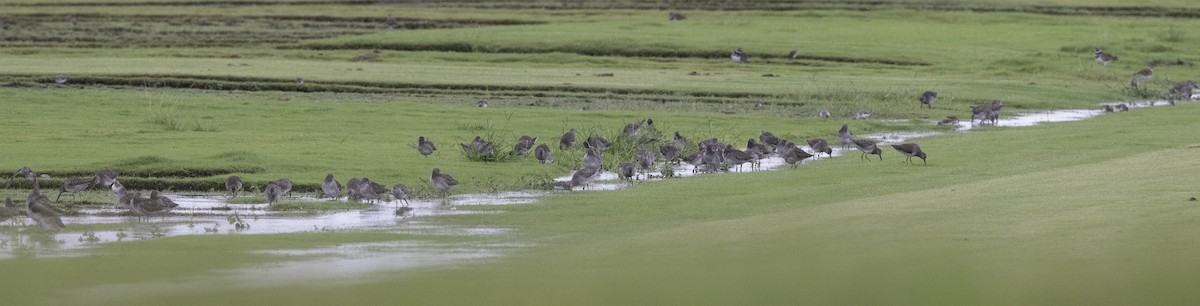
211, 215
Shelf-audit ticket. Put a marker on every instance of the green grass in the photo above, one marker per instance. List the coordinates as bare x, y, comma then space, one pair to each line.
1092, 212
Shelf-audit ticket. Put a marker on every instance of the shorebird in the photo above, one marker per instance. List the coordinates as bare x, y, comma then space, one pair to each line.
9, 210
162, 201
122, 196
598, 143
679, 141
673, 16
1122, 107
61, 79
670, 153
986, 114
593, 159
868, 147
823, 114
769, 139
792, 55
23, 172
1182, 90
735, 157
864, 115
625, 171
631, 130
910, 150
1103, 57
758, 104
38, 208
105, 178
72, 185
369, 191
819, 145
1142, 76
694, 159
928, 98
757, 152
645, 160
272, 192
285, 186
795, 156
400, 192
740, 56
1107, 108
391, 22
567, 140
523, 145
442, 182
425, 146
785, 148
233, 185
582, 177
331, 187
950, 120
482, 103
352, 188
542, 153
845, 137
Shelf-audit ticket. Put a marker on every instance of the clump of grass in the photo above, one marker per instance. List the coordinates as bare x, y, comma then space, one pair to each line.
171, 118
1171, 35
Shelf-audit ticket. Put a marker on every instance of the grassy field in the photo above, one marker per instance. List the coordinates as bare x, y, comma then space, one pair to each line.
177, 96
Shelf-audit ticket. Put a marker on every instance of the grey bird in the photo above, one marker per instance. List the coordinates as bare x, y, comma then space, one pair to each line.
631, 130
425, 146
694, 159
625, 171
674, 16
38, 208
482, 103
400, 192
1122, 107
950, 120
9, 210
845, 136
1142, 76
1182, 90
233, 185
582, 177
523, 145
1103, 57
542, 153
72, 185
1107, 108
740, 56
122, 196
679, 141
105, 177
285, 186
735, 157
862, 115
162, 200
368, 190
352, 188
820, 145
24, 172
910, 150
757, 152
593, 159
442, 182
272, 192
928, 98
768, 139
597, 142
792, 55
670, 153
645, 159
758, 104
868, 147
795, 156
823, 114
567, 141
331, 187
